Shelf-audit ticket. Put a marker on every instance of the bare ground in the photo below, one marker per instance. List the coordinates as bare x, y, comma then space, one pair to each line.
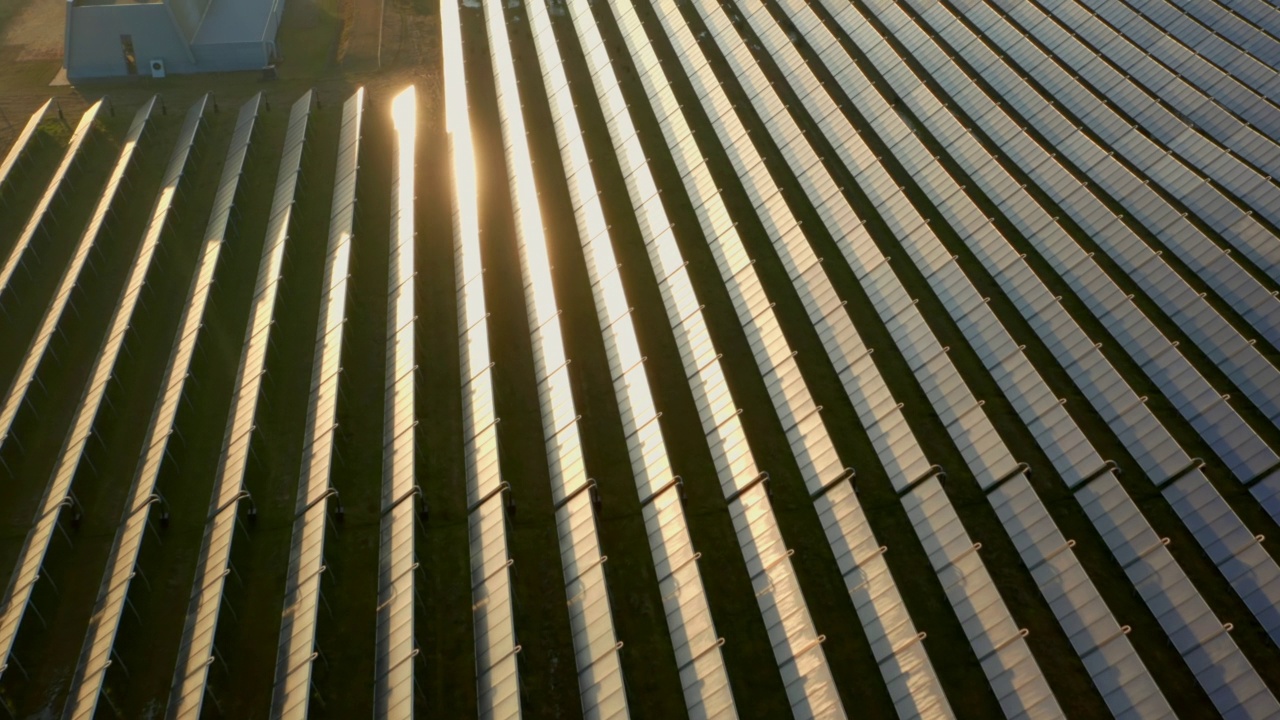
36, 30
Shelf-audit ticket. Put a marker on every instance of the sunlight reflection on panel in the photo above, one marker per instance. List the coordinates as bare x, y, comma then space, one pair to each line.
497, 672
525, 203
458, 126
394, 672
404, 114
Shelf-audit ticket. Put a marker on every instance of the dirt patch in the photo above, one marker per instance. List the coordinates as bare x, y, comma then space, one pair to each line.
360, 46
37, 29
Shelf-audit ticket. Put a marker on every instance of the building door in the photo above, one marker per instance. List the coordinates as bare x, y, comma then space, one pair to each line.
130, 59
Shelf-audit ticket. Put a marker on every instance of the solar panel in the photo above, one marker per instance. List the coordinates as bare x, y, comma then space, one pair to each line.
291, 694
600, 682
31, 557
497, 672
302, 584
693, 634
1245, 454
86, 683
1201, 159
1225, 24
35, 354
20, 144
910, 326
18, 253
186, 695
1101, 23
910, 676
1118, 154
1262, 14
397, 567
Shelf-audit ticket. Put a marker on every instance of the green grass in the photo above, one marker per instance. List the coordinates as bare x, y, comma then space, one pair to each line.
308, 38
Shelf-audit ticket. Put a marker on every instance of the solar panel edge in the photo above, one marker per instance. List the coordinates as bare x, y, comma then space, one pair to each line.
15, 154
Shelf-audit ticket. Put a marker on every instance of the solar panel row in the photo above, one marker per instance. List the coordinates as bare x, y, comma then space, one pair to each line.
1016, 125
1199, 40
497, 671
18, 253
910, 677
1248, 691
693, 633
26, 375
1265, 15
57, 493
796, 644
595, 643
304, 578
1091, 20
202, 612
1224, 24
1234, 224
397, 565
1171, 624
1075, 606
186, 695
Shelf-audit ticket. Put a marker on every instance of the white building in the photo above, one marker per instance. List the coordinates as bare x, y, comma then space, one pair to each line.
109, 38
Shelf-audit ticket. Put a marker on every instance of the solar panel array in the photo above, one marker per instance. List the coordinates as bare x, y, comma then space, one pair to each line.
71, 276
202, 613
297, 650
595, 644
496, 645
1219, 20
292, 690
57, 493
1201, 506
796, 645
1021, 383
1006, 283
86, 684
693, 632
186, 696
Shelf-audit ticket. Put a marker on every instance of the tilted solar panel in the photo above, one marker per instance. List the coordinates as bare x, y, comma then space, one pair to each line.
20, 144
57, 492
397, 560
693, 635
595, 644
18, 254
186, 695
